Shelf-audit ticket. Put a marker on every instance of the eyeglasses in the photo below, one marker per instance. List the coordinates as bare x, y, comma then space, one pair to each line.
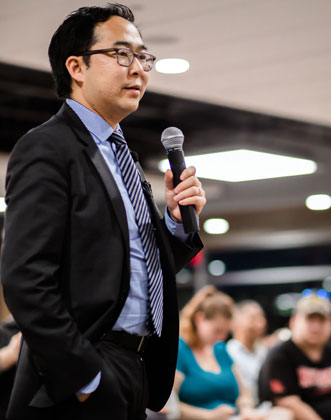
125, 57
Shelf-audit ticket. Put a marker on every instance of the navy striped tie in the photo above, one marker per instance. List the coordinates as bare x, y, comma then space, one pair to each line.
132, 183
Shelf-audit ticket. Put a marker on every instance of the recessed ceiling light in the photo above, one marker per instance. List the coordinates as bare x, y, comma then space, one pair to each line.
172, 65
246, 165
216, 267
318, 202
2, 205
216, 226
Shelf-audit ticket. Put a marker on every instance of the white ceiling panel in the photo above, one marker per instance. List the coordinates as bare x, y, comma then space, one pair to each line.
271, 56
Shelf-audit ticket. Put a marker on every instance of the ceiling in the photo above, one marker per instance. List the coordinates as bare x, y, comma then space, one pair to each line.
259, 78
271, 56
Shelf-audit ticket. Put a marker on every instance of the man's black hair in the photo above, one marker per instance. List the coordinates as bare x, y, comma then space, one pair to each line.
76, 35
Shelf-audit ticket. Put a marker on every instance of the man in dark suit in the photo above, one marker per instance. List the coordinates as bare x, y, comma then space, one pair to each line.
76, 264
9, 347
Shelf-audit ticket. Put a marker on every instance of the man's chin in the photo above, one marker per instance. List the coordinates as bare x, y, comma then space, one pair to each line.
315, 342
126, 108
131, 107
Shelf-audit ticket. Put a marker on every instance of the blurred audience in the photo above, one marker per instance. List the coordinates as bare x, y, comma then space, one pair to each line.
297, 373
246, 347
9, 347
277, 336
171, 410
207, 382
152, 415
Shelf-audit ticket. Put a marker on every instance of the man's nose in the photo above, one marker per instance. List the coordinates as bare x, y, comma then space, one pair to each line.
136, 66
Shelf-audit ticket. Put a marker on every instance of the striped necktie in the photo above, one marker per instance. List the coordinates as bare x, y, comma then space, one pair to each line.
131, 178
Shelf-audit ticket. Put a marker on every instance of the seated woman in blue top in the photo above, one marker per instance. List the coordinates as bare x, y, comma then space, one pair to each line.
207, 382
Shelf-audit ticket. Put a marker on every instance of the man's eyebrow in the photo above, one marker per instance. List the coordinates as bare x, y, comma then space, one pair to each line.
129, 45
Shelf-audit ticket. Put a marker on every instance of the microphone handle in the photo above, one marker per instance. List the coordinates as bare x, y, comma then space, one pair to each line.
188, 213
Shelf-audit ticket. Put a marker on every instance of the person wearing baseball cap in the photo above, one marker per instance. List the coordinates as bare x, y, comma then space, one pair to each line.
313, 305
297, 373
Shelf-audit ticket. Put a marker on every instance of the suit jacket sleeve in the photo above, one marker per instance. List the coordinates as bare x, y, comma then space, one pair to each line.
183, 252
35, 235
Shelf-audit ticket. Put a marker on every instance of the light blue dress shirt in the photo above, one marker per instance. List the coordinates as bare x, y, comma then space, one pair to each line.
134, 313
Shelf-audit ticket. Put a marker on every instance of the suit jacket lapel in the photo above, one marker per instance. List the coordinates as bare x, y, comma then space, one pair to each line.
98, 161
111, 187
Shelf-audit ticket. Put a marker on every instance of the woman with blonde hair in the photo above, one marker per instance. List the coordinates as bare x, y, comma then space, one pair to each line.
208, 385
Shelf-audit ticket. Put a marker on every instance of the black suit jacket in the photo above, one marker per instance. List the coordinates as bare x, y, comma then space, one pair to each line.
65, 264
7, 330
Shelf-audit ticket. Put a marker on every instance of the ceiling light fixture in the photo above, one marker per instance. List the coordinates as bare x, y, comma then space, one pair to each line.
216, 226
172, 65
216, 267
318, 202
246, 165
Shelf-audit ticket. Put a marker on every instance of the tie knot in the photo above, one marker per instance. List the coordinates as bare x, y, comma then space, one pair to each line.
117, 138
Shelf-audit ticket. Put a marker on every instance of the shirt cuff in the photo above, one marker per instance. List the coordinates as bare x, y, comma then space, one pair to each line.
92, 386
176, 229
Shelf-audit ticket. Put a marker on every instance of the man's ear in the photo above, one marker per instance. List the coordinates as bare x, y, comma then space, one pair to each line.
75, 66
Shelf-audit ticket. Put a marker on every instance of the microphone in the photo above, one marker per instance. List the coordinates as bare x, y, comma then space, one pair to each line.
172, 139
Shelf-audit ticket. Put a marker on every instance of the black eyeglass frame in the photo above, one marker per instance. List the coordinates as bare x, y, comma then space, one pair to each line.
134, 54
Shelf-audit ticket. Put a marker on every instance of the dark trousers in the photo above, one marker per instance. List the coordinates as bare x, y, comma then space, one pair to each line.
121, 395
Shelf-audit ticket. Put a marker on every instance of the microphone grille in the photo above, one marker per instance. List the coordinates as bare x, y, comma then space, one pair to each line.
172, 138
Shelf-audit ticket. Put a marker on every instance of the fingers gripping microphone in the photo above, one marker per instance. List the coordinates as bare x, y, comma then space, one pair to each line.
172, 139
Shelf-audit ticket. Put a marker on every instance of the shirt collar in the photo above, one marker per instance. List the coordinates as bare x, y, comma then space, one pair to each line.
95, 124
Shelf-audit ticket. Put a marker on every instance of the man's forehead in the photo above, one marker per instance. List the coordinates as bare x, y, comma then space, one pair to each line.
119, 31
310, 317
135, 46
251, 309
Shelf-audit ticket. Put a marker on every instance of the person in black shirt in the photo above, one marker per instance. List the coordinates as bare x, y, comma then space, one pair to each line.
297, 373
